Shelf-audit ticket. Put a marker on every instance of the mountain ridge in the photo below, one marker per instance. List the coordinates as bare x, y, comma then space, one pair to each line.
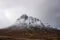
28, 21
29, 28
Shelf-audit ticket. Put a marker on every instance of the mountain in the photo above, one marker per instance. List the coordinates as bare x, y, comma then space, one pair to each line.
27, 21
29, 28
24, 20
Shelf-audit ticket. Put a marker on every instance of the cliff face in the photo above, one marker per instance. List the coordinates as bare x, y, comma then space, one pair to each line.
29, 28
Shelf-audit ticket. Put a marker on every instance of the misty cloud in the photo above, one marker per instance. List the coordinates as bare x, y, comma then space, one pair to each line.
54, 12
46, 10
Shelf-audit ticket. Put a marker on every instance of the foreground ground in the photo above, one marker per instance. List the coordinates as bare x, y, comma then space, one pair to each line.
14, 38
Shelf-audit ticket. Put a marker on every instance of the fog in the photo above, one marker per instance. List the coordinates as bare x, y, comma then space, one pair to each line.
46, 10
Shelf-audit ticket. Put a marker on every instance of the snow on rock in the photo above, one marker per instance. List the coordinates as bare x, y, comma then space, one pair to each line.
27, 21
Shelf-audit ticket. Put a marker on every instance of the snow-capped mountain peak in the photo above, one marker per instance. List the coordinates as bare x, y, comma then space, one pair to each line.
28, 21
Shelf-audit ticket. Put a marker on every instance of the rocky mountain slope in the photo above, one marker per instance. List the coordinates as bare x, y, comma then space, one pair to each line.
29, 28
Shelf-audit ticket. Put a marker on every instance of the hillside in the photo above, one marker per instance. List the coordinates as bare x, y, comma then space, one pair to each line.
29, 28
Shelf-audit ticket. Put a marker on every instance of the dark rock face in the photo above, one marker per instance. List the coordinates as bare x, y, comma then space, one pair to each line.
24, 16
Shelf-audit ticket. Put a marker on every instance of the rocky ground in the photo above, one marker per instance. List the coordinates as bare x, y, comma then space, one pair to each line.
27, 34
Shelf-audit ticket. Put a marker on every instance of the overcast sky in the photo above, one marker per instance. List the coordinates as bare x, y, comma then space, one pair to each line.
48, 11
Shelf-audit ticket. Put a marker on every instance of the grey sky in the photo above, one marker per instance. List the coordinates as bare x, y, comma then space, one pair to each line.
54, 12
45, 10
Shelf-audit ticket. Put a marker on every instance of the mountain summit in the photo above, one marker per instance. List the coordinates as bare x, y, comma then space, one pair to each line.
28, 21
